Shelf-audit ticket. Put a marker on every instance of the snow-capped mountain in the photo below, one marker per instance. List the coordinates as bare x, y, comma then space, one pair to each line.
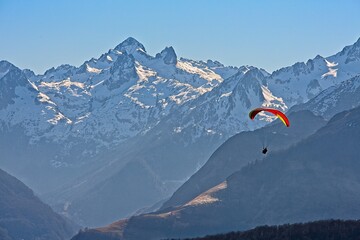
126, 92
224, 110
117, 96
167, 114
302, 81
22, 103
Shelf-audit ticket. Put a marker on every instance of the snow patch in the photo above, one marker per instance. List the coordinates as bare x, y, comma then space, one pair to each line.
109, 58
331, 72
143, 72
205, 73
57, 118
210, 132
272, 101
43, 98
65, 83
177, 130
226, 94
82, 118
92, 69
330, 64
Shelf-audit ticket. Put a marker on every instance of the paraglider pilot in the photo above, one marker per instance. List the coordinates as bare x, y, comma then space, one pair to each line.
264, 151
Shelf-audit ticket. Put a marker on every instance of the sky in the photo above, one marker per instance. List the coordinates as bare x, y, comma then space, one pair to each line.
269, 34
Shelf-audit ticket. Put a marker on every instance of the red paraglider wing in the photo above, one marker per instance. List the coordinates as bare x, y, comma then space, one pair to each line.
276, 112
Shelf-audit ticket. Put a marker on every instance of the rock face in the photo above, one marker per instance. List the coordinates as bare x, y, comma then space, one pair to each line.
24, 216
316, 178
168, 55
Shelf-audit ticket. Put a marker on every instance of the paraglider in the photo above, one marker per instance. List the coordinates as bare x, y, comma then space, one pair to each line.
276, 112
264, 151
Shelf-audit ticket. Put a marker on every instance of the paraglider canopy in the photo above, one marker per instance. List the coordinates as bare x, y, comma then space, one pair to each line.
276, 112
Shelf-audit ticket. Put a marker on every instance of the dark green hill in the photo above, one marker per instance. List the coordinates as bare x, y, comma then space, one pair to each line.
320, 230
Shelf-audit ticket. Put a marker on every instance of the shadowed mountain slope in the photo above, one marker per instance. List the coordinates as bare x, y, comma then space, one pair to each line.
315, 179
236, 152
24, 216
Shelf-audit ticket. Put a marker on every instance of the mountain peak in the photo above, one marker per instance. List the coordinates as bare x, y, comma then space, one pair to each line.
352, 52
351, 49
28, 73
357, 43
168, 55
253, 76
5, 66
130, 45
211, 63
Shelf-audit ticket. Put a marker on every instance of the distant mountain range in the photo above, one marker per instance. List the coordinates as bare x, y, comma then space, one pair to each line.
316, 178
125, 130
24, 216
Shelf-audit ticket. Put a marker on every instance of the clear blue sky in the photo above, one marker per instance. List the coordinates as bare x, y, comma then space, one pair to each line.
268, 34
